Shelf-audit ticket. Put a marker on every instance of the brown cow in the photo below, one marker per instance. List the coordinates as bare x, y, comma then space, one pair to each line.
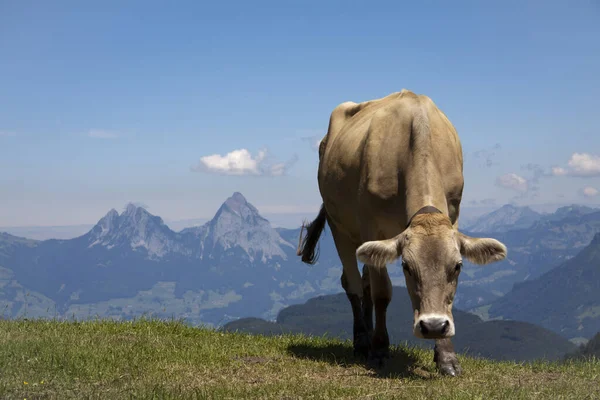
391, 179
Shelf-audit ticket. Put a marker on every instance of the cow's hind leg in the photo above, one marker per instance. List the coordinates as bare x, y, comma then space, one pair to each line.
445, 358
381, 295
352, 284
367, 302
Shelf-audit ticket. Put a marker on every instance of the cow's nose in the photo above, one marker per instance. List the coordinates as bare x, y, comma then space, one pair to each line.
434, 327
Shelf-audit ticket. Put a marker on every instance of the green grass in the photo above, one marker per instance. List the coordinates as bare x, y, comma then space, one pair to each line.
155, 359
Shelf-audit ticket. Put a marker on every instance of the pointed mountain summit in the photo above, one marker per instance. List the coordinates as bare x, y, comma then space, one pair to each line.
238, 223
566, 299
507, 217
136, 228
237, 205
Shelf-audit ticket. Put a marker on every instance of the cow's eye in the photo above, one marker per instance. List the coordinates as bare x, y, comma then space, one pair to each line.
458, 267
405, 267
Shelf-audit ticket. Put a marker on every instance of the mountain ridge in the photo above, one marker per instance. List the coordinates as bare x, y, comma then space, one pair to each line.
505, 218
550, 300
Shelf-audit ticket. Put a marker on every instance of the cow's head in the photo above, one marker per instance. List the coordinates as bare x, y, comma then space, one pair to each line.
432, 253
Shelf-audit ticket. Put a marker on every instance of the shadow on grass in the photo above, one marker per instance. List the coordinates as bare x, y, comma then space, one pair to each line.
400, 364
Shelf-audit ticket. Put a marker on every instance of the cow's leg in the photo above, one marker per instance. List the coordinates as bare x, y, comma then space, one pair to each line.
367, 302
445, 358
352, 284
381, 295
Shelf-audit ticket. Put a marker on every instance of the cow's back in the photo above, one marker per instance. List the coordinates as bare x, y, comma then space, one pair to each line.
362, 159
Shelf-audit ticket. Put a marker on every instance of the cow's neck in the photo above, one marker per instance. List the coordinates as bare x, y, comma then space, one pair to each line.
424, 186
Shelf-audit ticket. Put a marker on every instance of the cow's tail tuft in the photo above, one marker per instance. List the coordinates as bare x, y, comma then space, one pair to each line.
308, 244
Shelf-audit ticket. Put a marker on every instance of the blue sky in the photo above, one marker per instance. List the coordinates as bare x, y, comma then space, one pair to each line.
105, 103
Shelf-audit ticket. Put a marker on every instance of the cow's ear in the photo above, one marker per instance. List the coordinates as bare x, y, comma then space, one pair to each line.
381, 252
481, 250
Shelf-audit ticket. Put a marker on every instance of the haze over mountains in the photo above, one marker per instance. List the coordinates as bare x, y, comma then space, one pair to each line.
238, 265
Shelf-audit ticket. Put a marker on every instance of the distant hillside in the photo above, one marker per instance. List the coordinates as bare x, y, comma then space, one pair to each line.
589, 350
536, 250
48, 232
331, 315
565, 300
507, 217
572, 211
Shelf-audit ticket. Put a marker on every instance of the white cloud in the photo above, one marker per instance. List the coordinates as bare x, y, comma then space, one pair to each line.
589, 191
512, 181
559, 171
7, 134
101, 134
580, 164
241, 162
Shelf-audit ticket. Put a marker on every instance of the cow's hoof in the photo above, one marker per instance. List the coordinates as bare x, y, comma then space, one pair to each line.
377, 358
449, 366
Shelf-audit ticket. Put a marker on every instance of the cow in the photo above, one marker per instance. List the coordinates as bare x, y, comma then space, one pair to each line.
391, 180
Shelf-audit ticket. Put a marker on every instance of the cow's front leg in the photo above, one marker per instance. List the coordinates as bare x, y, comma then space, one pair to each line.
381, 294
360, 334
352, 284
445, 358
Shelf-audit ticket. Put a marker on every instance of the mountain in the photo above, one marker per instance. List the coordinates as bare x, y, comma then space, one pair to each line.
135, 229
132, 263
238, 224
507, 217
572, 211
533, 251
332, 315
565, 300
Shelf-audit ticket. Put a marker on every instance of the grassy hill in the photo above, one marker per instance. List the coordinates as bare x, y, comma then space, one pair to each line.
154, 359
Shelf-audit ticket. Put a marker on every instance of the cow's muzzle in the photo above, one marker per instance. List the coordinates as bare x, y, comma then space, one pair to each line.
434, 327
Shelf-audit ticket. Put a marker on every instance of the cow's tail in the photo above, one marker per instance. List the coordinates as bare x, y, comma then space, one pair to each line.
307, 246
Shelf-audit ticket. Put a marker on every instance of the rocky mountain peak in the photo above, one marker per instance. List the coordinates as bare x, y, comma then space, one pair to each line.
239, 206
136, 228
130, 209
106, 224
236, 200
238, 223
